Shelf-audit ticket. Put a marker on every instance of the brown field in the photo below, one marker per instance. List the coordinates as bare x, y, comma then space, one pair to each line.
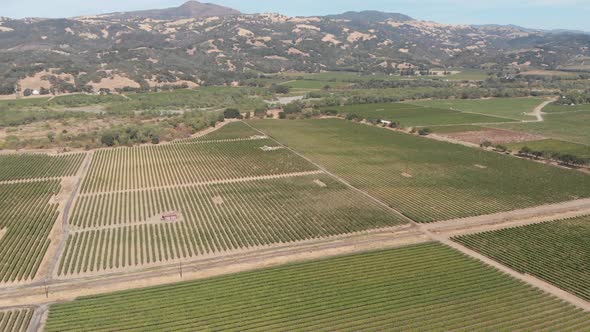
496, 136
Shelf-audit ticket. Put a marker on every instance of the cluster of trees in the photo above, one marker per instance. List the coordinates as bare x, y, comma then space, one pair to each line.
565, 158
575, 98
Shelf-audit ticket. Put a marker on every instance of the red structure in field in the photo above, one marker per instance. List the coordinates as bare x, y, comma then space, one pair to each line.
172, 216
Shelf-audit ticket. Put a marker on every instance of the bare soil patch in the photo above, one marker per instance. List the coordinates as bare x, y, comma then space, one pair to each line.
480, 166
2, 232
496, 136
407, 175
217, 200
320, 183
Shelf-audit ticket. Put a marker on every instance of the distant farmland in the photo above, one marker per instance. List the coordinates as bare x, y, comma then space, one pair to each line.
510, 108
415, 288
425, 179
411, 115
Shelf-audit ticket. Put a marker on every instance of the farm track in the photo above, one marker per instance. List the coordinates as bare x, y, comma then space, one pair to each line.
52, 268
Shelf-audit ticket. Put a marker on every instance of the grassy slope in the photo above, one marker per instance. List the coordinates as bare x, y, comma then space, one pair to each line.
511, 108
424, 287
446, 182
556, 251
410, 115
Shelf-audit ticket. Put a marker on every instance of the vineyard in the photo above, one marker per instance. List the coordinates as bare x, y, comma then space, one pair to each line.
122, 229
15, 320
26, 221
181, 164
231, 131
425, 179
416, 288
30, 166
557, 251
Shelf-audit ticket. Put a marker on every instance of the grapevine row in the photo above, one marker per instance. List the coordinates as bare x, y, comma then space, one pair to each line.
177, 164
426, 287
27, 219
213, 219
556, 251
30, 166
15, 320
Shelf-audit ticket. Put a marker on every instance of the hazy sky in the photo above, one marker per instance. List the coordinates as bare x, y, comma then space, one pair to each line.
546, 14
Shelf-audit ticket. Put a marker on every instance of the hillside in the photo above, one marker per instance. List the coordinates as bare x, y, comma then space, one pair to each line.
191, 9
198, 44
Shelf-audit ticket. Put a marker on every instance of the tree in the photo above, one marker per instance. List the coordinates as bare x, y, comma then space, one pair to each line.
525, 151
282, 115
155, 139
27, 92
280, 89
108, 139
232, 113
425, 131
51, 136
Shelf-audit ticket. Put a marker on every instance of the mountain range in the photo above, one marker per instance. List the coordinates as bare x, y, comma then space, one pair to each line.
197, 44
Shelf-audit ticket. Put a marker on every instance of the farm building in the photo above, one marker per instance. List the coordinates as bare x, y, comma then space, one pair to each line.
172, 216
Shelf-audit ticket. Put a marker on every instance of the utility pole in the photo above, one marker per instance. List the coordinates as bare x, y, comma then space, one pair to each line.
46, 288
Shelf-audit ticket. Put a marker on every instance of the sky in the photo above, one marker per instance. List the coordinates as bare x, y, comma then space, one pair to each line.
540, 14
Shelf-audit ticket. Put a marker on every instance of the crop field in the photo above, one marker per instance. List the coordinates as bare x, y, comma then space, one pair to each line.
16, 320
410, 115
125, 229
25, 222
179, 164
230, 131
424, 179
415, 288
553, 145
570, 126
556, 251
510, 108
31, 166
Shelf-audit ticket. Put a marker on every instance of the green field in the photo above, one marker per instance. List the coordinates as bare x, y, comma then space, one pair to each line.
230, 131
557, 251
215, 218
178, 164
31, 166
556, 108
553, 145
313, 84
410, 115
16, 320
426, 287
572, 126
510, 108
23, 103
26, 219
447, 180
